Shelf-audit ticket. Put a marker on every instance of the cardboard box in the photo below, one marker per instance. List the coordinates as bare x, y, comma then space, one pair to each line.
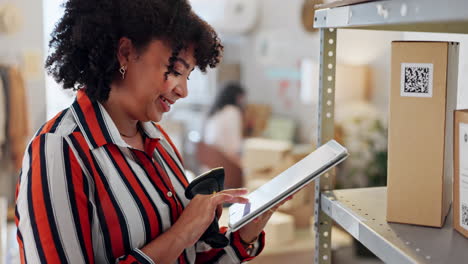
262, 154
256, 118
300, 208
266, 159
460, 183
280, 229
303, 215
420, 142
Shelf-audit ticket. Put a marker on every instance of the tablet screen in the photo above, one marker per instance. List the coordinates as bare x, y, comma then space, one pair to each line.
286, 183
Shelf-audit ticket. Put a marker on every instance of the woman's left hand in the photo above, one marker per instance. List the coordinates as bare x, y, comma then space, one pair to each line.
250, 232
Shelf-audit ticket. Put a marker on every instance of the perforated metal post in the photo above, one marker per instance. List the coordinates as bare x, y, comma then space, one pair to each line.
326, 112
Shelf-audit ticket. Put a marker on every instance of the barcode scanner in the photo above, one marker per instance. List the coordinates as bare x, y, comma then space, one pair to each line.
209, 183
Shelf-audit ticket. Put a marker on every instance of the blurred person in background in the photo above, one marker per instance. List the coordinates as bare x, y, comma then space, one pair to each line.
102, 182
225, 124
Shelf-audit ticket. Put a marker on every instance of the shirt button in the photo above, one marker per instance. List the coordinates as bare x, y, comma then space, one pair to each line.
169, 194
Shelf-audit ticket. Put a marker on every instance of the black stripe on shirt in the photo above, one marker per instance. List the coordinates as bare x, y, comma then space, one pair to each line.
102, 219
102, 124
234, 247
169, 166
118, 210
58, 121
154, 184
140, 184
32, 216
173, 218
20, 237
163, 162
73, 204
82, 121
132, 191
48, 203
140, 258
175, 162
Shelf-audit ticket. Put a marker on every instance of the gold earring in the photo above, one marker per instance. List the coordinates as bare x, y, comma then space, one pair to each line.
122, 71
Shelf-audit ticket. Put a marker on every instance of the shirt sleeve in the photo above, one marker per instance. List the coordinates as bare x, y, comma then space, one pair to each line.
53, 207
233, 253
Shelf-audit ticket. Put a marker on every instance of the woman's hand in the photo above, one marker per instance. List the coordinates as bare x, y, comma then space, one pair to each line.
200, 212
250, 232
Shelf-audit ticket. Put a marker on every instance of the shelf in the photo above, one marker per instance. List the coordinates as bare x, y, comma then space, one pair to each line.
361, 212
449, 16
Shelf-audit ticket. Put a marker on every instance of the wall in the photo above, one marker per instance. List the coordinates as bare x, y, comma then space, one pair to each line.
271, 58
271, 54
29, 39
371, 48
462, 102
12, 50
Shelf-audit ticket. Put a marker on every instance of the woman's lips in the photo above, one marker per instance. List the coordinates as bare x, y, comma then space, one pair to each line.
165, 103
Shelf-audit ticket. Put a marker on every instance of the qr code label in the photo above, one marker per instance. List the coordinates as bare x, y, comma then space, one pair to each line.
464, 216
416, 79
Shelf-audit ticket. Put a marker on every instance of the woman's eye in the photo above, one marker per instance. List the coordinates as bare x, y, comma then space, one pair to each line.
176, 73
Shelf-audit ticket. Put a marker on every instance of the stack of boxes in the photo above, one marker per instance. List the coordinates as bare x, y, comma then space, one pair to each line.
428, 138
262, 160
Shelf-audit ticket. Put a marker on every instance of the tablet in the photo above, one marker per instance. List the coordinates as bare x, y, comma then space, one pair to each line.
287, 183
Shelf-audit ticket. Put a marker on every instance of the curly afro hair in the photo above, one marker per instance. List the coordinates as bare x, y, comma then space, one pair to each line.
85, 41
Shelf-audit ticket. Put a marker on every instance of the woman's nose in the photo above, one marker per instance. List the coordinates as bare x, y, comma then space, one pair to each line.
181, 90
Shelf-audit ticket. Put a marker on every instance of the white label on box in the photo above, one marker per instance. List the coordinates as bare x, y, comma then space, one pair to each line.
463, 163
416, 79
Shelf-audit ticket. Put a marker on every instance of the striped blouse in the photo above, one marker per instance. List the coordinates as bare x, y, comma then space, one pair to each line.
85, 196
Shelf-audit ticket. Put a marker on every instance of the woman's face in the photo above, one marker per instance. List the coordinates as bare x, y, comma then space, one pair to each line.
146, 93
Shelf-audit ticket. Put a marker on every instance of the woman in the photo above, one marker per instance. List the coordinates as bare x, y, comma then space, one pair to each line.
102, 183
224, 126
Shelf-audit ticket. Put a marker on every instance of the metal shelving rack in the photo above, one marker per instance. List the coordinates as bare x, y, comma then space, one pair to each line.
362, 211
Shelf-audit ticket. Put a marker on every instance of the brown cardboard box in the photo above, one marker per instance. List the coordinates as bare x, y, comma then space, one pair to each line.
420, 144
280, 229
264, 159
256, 118
261, 154
460, 183
301, 207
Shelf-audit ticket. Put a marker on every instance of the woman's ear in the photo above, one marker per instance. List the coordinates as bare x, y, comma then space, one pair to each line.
125, 51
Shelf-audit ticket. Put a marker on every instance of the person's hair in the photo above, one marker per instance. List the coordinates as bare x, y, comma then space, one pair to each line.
85, 42
227, 96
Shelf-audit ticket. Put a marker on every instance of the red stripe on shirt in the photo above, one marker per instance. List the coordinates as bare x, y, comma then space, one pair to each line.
110, 214
90, 118
180, 174
160, 181
48, 126
131, 178
81, 198
40, 211
170, 142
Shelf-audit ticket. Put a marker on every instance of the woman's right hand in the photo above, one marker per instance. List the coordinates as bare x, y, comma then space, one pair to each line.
200, 212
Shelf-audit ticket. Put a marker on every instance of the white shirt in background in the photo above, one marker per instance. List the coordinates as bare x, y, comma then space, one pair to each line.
224, 130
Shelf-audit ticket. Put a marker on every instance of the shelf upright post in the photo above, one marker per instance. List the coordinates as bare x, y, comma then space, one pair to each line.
325, 132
